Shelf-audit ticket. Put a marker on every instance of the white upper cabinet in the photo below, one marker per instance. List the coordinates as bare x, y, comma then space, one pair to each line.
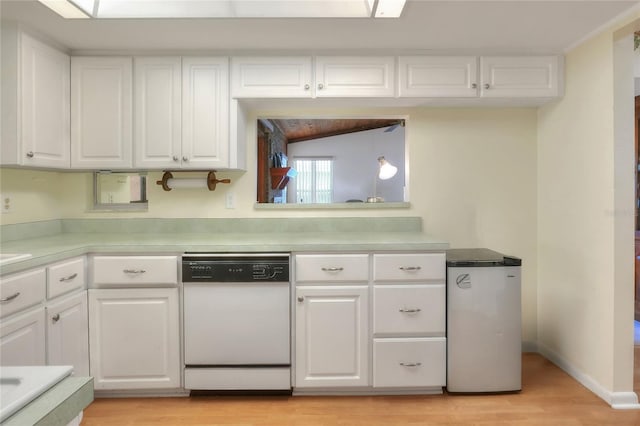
35, 102
271, 77
519, 76
496, 76
158, 112
101, 116
437, 76
355, 76
205, 112
181, 116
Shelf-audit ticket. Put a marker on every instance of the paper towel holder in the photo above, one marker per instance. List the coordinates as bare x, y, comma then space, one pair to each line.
211, 180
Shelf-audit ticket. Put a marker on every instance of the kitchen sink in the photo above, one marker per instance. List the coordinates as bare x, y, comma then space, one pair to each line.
12, 257
21, 385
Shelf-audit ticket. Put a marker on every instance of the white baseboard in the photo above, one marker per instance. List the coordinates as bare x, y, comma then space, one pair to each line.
617, 400
528, 346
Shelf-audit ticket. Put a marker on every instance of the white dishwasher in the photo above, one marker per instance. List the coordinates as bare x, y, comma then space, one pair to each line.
484, 343
236, 322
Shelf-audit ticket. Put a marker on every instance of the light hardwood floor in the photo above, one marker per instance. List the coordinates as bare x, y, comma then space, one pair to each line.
549, 397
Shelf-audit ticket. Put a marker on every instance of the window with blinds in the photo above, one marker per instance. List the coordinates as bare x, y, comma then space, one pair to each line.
314, 182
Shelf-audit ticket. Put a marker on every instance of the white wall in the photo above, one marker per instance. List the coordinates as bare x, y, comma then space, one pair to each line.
355, 164
585, 275
472, 178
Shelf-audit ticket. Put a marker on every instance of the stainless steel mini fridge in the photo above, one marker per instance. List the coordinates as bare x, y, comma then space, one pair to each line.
484, 352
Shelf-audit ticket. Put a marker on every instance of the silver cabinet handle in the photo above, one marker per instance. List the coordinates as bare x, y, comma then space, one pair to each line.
69, 278
176, 158
411, 364
409, 311
185, 159
55, 318
410, 268
486, 86
320, 86
30, 154
134, 271
333, 269
307, 87
474, 86
300, 299
10, 298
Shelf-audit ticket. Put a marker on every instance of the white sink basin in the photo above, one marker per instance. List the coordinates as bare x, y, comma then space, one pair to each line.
12, 257
21, 385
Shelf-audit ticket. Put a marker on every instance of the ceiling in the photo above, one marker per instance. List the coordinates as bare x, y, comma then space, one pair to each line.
540, 26
299, 130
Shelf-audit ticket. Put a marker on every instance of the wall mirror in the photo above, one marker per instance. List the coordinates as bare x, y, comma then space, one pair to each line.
120, 191
320, 161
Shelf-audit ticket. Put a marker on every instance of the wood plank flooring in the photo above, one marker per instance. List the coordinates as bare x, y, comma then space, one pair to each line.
549, 397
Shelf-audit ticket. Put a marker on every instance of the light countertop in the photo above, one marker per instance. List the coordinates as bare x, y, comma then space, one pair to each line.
56, 240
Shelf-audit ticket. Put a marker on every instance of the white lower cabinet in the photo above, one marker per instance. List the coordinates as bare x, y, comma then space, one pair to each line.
134, 340
22, 339
68, 333
405, 348
332, 336
409, 362
40, 330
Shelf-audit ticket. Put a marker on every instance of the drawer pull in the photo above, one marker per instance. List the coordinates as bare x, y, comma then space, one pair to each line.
69, 278
410, 268
411, 364
10, 298
55, 318
409, 311
134, 271
333, 269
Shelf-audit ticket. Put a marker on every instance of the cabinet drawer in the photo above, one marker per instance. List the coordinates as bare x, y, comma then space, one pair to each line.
133, 271
65, 277
409, 362
409, 267
330, 268
22, 290
410, 309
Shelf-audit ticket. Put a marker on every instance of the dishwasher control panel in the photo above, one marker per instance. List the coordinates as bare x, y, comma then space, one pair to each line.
235, 268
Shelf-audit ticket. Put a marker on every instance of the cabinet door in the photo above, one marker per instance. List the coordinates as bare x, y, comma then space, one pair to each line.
133, 337
68, 333
157, 116
271, 77
205, 113
332, 334
101, 131
45, 105
22, 339
519, 76
437, 76
355, 76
